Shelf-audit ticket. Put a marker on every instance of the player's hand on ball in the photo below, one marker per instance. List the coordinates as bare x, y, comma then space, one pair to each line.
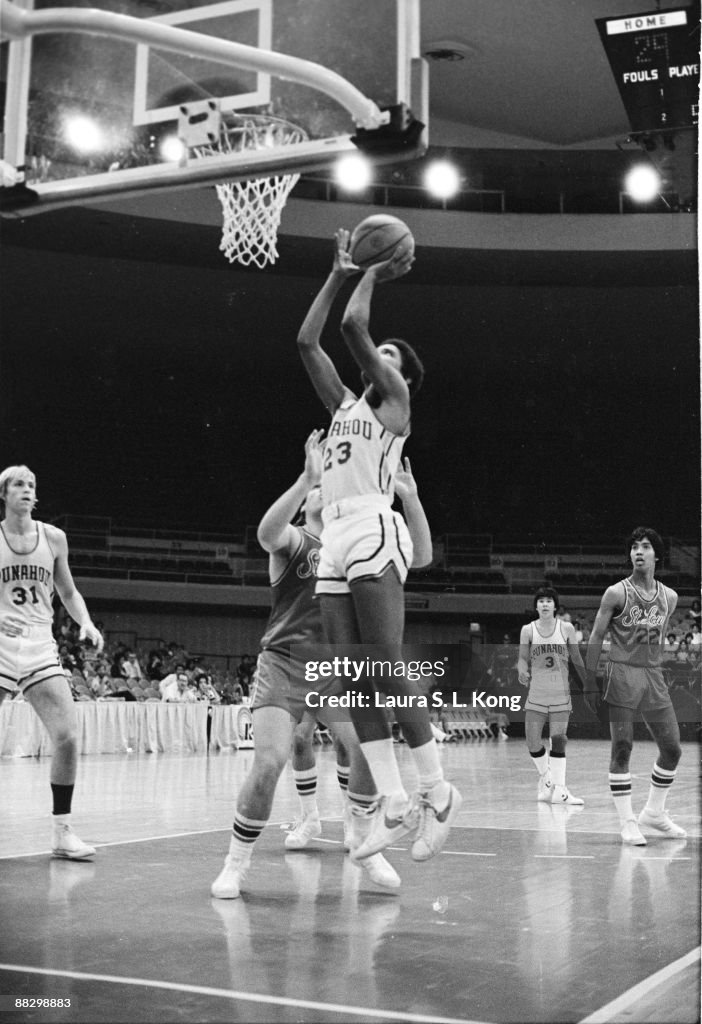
343, 264
397, 266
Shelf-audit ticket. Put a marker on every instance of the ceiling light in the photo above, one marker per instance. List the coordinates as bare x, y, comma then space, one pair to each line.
353, 172
442, 179
643, 183
171, 149
84, 134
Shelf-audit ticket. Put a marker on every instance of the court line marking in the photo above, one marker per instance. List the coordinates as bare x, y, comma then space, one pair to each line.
624, 1001
460, 853
282, 825
565, 856
122, 842
251, 997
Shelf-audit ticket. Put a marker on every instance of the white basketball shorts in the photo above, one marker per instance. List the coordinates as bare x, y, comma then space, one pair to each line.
361, 537
28, 659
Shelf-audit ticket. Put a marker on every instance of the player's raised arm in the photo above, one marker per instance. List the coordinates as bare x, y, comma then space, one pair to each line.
415, 516
388, 382
275, 532
318, 364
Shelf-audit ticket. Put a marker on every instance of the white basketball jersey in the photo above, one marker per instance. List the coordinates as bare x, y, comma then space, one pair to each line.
27, 580
549, 656
360, 455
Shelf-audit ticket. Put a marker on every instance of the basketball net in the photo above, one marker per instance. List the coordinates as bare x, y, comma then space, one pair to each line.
251, 210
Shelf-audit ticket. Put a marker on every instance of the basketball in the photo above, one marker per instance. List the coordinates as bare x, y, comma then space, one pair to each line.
377, 238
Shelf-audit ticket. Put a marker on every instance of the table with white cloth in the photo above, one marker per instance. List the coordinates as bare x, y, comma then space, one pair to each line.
112, 727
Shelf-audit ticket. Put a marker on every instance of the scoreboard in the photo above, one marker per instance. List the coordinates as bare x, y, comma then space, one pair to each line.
655, 59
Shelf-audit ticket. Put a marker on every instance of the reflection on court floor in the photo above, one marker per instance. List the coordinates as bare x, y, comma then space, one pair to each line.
531, 913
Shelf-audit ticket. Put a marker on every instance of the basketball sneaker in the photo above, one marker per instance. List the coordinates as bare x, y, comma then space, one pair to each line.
303, 831
360, 826
227, 884
387, 828
631, 834
380, 871
434, 824
662, 824
545, 789
562, 795
65, 843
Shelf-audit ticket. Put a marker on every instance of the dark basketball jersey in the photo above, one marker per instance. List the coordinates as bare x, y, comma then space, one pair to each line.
638, 632
295, 616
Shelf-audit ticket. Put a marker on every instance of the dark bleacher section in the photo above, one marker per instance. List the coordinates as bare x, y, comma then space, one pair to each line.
463, 563
103, 548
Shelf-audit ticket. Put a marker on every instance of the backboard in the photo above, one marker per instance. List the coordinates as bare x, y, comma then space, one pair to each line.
94, 106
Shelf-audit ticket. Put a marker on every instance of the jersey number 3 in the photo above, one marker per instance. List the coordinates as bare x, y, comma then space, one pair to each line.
342, 451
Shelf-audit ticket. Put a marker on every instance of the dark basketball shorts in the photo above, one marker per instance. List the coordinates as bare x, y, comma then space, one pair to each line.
279, 681
638, 687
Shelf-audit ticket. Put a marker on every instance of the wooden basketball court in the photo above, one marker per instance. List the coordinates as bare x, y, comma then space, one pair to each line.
530, 913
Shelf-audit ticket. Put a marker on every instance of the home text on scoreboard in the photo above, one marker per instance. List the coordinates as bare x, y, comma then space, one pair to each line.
655, 60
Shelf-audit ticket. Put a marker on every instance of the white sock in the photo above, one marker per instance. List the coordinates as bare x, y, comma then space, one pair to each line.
429, 770
557, 764
541, 761
306, 785
620, 786
58, 820
383, 767
661, 781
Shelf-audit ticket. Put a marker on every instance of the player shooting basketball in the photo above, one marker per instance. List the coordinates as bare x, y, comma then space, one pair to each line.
366, 549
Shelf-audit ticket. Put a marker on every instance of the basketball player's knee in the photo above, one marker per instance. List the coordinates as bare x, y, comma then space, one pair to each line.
669, 754
621, 754
269, 764
64, 737
299, 745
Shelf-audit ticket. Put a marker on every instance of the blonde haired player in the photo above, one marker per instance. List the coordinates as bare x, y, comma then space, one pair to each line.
546, 647
34, 563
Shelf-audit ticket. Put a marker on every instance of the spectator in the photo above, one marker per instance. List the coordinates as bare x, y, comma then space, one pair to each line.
97, 687
693, 614
683, 652
504, 662
207, 689
155, 664
131, 669
168, 682
244, 673
178, 690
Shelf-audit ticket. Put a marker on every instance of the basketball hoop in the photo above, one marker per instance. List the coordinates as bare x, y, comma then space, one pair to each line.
252, 209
